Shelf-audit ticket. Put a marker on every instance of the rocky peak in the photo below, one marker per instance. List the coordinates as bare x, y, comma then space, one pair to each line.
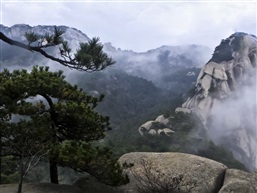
109, 47
225, 96
232, 61
17, 31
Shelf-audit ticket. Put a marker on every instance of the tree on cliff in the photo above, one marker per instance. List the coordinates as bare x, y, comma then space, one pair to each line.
88, 57
42, 108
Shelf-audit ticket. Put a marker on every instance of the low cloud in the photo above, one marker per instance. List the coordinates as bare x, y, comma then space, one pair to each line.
141, 26
234, 123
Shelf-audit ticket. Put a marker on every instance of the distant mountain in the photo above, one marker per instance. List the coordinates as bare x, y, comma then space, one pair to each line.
136, 87
126, 96
158, 65
72, 35
14, 56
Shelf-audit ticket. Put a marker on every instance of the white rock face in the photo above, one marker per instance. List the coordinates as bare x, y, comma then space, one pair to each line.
160, 126
183, 110
225, 97
165, 131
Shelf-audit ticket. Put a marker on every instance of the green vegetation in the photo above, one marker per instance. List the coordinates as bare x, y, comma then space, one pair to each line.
131, 101
56, 119
48, 122
188, 138
42, 116
9, 170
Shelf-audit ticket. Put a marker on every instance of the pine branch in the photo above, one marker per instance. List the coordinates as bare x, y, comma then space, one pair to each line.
89, 57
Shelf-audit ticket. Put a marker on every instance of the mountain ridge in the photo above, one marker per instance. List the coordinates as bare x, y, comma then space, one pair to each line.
153, 65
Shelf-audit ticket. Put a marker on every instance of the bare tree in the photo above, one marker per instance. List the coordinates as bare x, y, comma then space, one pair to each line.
24, 141
151, 180
27, 162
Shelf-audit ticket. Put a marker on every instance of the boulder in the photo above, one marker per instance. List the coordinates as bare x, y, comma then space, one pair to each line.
145, 128
162, 119
201, 174
238, 181
160, 125
183, 110
165, 131
152, 132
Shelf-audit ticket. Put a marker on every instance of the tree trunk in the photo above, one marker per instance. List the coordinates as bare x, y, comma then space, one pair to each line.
53, 172
21, 175
0, 158
20, 186
53, 163
0, 169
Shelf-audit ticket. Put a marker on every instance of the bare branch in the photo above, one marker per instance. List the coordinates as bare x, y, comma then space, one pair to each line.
151, 180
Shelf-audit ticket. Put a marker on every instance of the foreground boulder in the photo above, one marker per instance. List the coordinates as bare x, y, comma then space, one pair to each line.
152, 172
158, 173
237, 181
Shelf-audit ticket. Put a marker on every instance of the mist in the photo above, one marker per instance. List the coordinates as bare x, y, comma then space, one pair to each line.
234, 118
164, 67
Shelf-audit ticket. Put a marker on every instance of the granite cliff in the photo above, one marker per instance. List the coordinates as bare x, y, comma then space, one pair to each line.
225, 97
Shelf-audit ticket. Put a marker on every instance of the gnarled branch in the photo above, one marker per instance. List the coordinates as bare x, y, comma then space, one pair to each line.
89, 57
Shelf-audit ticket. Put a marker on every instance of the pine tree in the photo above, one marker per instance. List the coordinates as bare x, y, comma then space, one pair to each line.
59, 117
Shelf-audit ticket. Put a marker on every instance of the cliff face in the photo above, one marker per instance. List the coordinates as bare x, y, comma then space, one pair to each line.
225, 97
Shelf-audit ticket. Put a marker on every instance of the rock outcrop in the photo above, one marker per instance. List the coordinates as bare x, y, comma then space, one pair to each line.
225, 97
233, 60
201, 174
160, 126
191, 173
237, 181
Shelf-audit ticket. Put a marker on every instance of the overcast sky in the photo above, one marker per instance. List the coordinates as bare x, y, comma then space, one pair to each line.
139, 25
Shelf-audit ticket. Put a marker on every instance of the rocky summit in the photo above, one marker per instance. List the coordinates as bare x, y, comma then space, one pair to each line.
225, 97
232, 61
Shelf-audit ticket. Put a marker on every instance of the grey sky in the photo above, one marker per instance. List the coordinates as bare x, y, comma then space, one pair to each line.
139, 25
